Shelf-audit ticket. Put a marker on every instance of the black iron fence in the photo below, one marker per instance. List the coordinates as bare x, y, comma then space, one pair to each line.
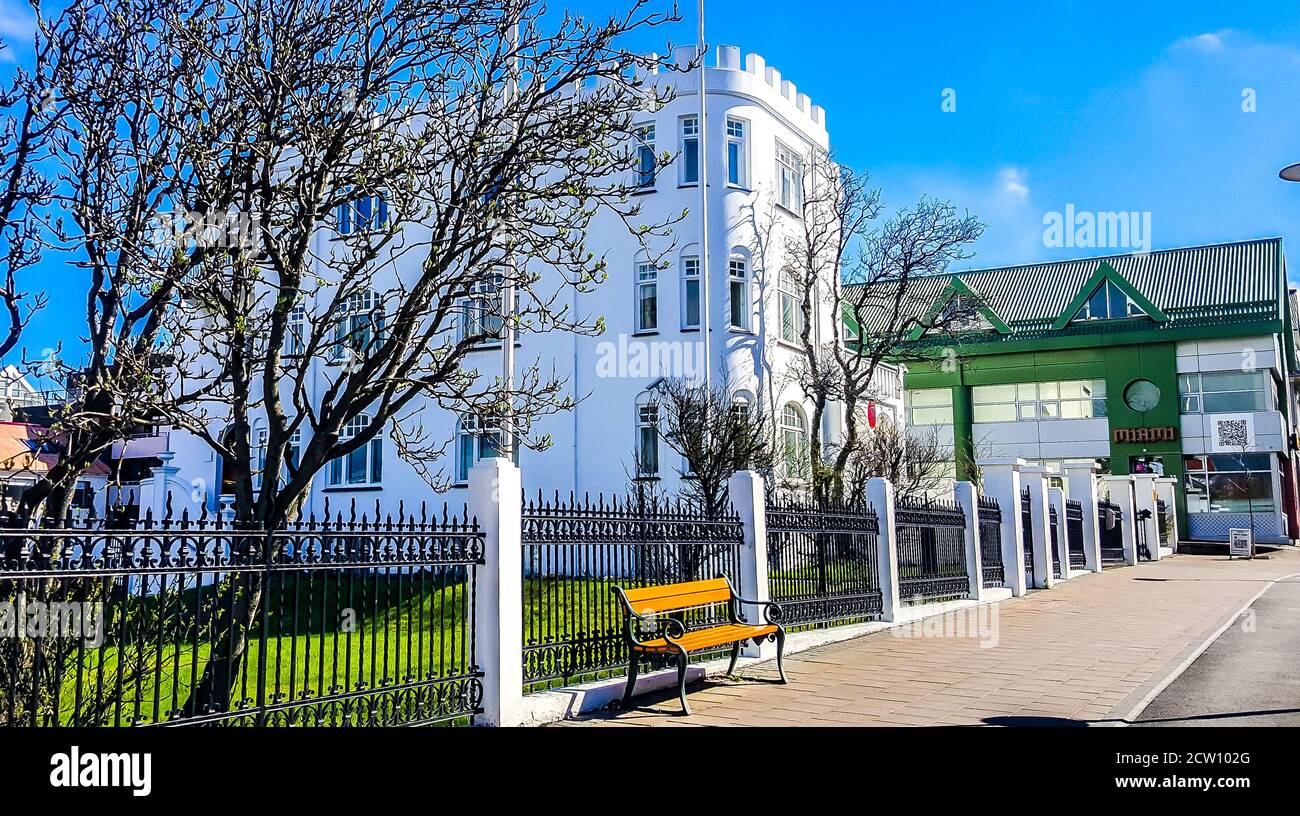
822, 561
336, 622
1074, 534
576, 550
1027, 527
1110, 520
1054, 528
990, 520
931, 551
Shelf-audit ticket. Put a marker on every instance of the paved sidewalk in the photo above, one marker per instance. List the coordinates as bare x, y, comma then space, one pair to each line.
1084, 653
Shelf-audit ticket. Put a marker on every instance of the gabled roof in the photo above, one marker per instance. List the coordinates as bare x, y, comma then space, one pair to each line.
1244, 280
1105, 272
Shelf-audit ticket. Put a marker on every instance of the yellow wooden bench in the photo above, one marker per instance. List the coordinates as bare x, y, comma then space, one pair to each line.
653, 624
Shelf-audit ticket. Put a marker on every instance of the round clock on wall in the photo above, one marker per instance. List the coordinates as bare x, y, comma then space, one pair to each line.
1142, 396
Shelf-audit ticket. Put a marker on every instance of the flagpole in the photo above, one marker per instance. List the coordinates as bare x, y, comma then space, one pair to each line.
706, 282
506, 448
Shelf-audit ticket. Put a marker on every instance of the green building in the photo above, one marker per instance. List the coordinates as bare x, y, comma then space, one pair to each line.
1179, 362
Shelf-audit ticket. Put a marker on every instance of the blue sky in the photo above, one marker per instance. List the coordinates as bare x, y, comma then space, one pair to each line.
1109, 106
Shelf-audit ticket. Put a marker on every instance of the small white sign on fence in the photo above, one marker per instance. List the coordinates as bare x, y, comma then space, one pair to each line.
1241, 541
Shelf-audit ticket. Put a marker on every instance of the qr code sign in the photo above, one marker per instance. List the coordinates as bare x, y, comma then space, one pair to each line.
1232, 433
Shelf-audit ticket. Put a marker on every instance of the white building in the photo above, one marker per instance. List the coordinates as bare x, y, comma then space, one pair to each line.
758, 128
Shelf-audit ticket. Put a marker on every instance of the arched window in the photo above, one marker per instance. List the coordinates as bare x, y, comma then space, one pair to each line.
794, 442
360, 327
647, 296
690, 265
363, 466
476, 438
647, 437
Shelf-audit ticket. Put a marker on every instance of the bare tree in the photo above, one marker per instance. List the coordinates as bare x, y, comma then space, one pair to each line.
714, 436
914, 460
871, 277
361, 171
28, 116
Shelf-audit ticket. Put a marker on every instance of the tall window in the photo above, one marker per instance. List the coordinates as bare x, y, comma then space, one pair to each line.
928, 406
260, 439
789, 178
1066, 399
690, 149
363, 466
1229, 483
476, 438
794, 442
738, 279
647, 297
647, 439
365, 214
360, 327
1108, 302
294, 453
1214, 392
690, 292
645, 156
791, 313
736, 152
296, 330
481, 311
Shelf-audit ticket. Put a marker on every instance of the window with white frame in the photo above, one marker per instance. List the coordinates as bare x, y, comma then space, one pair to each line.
690, 292
361, 467
736, 152
690, 149
1064, 399
794, 442
360, 327
1108, 302
481, 311
260, 439
647, 297
294, 454
1215, 392
364, 214
476, 438
738, 282
645, 155
791, 310
647, 439
295, 335
928, 406
789, 178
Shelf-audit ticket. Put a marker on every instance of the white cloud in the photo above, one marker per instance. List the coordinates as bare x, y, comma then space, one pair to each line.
1011, 183
16, 22
1209, 42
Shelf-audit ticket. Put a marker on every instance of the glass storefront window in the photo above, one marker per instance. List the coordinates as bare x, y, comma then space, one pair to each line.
1065, 399
1229, 483
1214, 392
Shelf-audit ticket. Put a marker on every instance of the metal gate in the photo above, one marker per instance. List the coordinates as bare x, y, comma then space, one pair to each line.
1054, 523
1074, 534
1027, 524
1109, 521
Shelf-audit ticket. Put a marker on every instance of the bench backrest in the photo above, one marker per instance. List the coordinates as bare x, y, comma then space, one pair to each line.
674, 597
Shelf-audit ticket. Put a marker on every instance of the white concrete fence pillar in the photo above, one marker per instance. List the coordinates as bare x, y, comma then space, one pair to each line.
880, 495
1081, 482
1121, 493
496, 499
968, 500
747, 497
1056, 500
1002, 483
1034, 477
1144, 500
1165, 487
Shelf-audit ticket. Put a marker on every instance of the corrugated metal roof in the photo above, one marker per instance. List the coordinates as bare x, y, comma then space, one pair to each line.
1193, 281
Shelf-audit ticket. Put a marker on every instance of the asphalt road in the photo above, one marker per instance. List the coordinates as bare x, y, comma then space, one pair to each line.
1245, 677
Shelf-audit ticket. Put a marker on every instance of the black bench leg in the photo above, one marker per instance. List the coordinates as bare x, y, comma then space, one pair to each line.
780, 653
735, 653
633, 666
681, 683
